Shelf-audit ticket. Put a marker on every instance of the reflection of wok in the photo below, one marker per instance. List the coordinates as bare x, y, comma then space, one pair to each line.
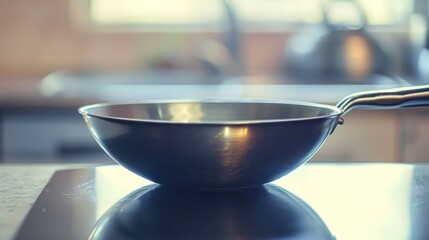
158, 212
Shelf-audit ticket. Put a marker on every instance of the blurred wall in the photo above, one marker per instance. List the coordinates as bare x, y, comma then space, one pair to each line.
41, 36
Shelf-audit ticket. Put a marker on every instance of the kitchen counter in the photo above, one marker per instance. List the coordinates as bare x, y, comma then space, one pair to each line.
20, 186
72, 91
354, 201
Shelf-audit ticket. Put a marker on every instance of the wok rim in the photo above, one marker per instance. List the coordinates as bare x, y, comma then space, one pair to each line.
335, 111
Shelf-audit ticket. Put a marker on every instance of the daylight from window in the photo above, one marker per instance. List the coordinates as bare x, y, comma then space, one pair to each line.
195, 12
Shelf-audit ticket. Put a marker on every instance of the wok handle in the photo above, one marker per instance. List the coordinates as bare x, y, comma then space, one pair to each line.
386, 99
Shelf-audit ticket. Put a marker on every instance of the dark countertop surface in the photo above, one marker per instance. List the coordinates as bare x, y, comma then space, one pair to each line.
348, 201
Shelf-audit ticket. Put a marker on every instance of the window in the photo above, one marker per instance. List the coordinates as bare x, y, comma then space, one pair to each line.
154, 12
174, 13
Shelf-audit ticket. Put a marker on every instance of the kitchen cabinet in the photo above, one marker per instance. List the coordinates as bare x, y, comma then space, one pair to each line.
416, 136
379, 136
365, 136
46, 134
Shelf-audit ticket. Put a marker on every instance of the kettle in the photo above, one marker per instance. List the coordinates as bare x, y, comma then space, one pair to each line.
334, 52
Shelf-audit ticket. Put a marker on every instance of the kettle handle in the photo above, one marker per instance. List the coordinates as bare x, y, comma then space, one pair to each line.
402, 97
359, 9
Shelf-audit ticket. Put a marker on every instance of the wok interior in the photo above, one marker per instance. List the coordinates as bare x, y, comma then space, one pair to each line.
211, 111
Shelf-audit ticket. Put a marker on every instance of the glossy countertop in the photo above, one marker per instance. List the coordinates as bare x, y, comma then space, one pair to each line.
327, 201
20, 185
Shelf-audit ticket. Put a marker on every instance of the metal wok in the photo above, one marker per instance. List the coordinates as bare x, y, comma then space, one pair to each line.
226, 144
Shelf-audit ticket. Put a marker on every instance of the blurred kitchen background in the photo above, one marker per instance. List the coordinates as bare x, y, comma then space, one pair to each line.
56, 55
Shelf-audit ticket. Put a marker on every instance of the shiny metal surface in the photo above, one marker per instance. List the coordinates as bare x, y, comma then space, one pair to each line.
391, 98
349, 201
210, 111
220, 144
262, 212
211, 144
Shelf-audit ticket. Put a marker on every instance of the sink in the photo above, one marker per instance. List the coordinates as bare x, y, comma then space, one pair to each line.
175, 84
